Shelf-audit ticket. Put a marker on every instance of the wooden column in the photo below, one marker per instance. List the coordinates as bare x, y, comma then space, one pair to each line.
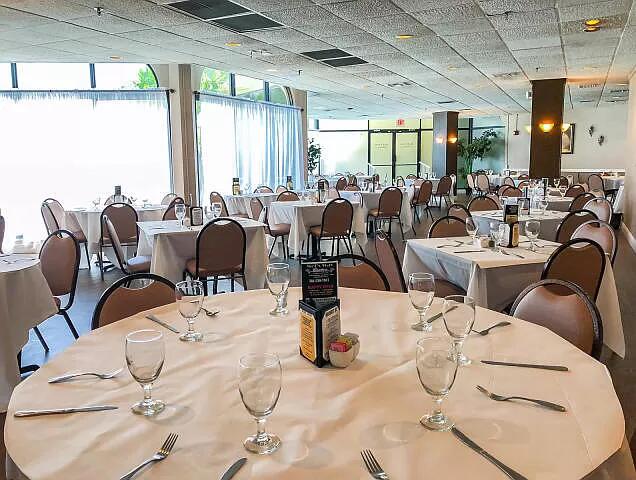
445, 143
545, 147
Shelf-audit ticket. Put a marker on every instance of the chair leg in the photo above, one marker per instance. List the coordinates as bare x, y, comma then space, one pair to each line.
215, 285
41, 338
205, 287
338, 246
232, 282
332, 244
100, 256
64, 313
390, 225
272, 249
88, 257
286, 248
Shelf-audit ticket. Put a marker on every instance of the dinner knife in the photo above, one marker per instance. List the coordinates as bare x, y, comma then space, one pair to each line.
440, 314
57, 411
162, 323
236, 466
558, 368
504, 468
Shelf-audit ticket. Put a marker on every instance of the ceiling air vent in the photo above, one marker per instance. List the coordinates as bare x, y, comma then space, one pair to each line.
226, 14
443, 102
334, 57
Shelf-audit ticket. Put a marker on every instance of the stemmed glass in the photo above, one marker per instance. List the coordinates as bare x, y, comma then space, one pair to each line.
563, 190
557, 182
216, 209
260, 377
459, 316
532, 229
145, 353
133, 200
209, 213
471, 228
496, 233
421, 292
543, 205
278, 278
437, 370
96, 202
503, 199
189, 295
180, 212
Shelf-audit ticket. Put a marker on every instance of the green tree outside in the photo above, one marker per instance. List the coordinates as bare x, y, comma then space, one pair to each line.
145, 79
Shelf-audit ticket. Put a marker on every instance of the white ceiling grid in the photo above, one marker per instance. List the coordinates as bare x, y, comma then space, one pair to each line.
479, 54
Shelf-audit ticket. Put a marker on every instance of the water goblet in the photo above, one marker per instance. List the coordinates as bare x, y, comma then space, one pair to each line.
278, 277
209, 213
494, 235
557, 182
96, 202
437, 369
189, 295
180, 213
563, 190
421, 290
543, 205
503, 199
471, 228
217, 209
532, 229
260, 377
458, 312
145, 202
145, 354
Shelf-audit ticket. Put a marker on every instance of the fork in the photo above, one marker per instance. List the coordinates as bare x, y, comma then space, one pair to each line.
373, 466
163, 452
103, 376
486, 331
502, 398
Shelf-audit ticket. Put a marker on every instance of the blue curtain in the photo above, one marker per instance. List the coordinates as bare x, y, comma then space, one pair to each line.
258, 142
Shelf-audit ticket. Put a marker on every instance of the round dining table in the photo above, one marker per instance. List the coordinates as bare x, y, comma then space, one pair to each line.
325, 416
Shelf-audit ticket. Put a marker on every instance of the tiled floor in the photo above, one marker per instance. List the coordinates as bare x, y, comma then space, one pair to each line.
90, 288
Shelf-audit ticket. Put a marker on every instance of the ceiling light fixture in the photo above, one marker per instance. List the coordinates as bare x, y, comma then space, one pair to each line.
232, 44
452, 139
565, 127
591, 29
272, 70
593, 22
546, 127
115, 58
404, 36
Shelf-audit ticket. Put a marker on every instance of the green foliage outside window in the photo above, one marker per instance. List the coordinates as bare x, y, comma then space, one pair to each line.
145, 78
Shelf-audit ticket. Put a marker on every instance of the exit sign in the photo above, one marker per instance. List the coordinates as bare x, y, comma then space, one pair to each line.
400, 122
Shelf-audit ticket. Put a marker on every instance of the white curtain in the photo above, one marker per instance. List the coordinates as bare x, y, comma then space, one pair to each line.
76, 146
260, 143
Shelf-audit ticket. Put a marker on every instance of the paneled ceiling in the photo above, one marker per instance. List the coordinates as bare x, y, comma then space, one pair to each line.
473, 55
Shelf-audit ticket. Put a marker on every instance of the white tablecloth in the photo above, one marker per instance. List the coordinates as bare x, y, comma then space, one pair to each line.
303, 215
241, 203
371, 200
559, 204
324, 416
612, 182
497, 180
171, 247
25, 301
549, 221
494, 280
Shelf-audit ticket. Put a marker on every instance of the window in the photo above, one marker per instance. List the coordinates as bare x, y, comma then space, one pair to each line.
251, 88
216, 81
54, 76
5, 76
278, 94
342, 151
114, 76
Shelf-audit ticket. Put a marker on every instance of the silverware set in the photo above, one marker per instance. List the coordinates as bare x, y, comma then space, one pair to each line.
161, 454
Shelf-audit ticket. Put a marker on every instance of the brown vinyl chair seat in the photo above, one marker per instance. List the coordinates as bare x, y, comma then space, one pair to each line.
280, 229
191, 267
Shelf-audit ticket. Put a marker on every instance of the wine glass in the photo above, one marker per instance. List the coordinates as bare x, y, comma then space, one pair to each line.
133, 200
437, 369
563, 190
557, 182
532, 229
494, 235
543, 205
459, 316
189, 295
278, 278
145, 202
216, 209
260, 377
96, 202
209, 213
471, 228
180, 212
421, 289
503, 199
145, 354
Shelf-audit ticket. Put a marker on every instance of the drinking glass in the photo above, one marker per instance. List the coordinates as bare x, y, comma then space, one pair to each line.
209, 213
216, 208
146, 202
145, 353
557, 182
532, 230
189, 295
471, 228
543, 205
133, 200
96, 202
180, 212
459, 316
421, 292
260, 377
562, 190
494, 234
437, 369
503, 199
278, 278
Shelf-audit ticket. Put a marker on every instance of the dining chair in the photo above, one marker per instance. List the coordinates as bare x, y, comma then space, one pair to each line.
121, 300
563, 182
341, 183
124, 218
399, 181
389, 262
281, 188
263, 189
117, 199
595, 182
279, 230
54, 217
363, 275
170, 214
502, 189
480, 204
320, 178
512, 192
168, 198
332, 193
337, 218
482, 183
508, 181
565, 309
287, 196
421, 199
352, 180
458, 210
136, 264
411, 176
216, 197
220, 254
580, 261
523, 184
578, 203
601, 207
352, 188
495, 198
59, 262
574, 191
571, 222
256, 208
448, 227
602, 233
2, 229
524, 176
389, 208
444, 190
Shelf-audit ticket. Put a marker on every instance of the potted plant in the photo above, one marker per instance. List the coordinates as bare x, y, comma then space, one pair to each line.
313, 157
475, 150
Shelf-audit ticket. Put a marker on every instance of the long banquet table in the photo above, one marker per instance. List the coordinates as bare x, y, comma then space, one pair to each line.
324, 416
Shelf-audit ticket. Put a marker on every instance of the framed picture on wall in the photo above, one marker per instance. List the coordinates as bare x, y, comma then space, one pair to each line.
567, 140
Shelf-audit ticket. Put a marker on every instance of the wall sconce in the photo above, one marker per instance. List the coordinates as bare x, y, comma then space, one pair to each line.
564, 127
546, 127
439, 139
452, 139
528, 128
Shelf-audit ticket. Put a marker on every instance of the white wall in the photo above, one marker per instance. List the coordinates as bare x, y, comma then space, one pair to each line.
609, 121
629, 203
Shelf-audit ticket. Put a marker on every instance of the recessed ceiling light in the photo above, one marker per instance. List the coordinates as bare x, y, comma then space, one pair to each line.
452, 68
115, 58
232, 44
272, 70
593, 22
591, 29
404, 36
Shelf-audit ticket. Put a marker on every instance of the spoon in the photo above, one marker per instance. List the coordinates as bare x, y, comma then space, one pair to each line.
211, 313
487, 330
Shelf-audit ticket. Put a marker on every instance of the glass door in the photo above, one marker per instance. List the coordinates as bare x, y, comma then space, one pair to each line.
381, 155
406, 146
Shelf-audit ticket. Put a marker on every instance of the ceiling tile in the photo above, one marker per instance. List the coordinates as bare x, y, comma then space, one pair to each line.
355, 9
108, 23
525, 19
594, 9
471, 25
302, 16
536, 36
28, 37
456, 12
15, 18
145, 12
495, 7
57, 9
